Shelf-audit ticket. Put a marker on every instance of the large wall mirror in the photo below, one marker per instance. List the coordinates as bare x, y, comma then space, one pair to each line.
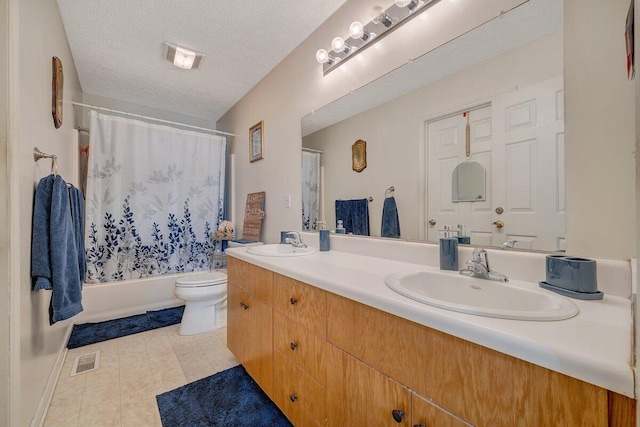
493, 96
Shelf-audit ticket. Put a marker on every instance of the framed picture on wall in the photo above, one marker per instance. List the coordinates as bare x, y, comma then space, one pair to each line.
57, 83
256, 141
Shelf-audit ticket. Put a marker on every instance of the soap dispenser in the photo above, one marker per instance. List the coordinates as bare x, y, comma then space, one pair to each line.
324, 237
463, 239
448, 250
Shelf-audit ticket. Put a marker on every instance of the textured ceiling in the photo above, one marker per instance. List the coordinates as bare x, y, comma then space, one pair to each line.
524, 24
117, 47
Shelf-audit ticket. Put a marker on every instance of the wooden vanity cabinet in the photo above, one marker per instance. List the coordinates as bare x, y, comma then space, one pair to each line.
328, 360
250, 320
425, 413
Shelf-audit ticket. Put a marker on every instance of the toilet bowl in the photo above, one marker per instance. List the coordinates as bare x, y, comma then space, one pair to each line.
205, 297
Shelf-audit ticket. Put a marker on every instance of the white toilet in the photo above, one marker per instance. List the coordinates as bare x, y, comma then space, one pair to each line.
205, 296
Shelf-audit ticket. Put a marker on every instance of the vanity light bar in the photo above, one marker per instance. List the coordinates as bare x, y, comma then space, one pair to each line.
383, 22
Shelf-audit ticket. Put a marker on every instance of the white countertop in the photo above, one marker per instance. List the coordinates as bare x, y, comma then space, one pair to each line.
595, 346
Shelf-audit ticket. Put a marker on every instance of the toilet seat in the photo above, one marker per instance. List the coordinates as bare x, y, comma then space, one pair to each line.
200, 280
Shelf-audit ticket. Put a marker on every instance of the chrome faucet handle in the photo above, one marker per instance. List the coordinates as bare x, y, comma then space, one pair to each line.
510, 244
296, 240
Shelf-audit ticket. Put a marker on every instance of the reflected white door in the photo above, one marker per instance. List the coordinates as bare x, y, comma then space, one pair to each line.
528, 155
519, 140
446, 141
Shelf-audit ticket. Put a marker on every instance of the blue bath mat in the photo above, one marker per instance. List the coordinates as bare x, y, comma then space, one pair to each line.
91, 333
166, 317
229, 398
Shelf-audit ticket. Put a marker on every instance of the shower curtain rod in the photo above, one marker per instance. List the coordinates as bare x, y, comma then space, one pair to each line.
311, 150
140, 116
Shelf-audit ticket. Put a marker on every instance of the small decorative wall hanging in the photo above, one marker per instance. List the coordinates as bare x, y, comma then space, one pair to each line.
359, 155
57, 83
256, 141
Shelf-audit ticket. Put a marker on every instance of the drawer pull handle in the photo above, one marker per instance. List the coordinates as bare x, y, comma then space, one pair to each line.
245, 306
293, 346
398, 415
293, 397
293, 301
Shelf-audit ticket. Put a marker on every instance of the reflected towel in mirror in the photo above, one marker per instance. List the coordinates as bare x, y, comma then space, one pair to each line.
390, 220
354, 215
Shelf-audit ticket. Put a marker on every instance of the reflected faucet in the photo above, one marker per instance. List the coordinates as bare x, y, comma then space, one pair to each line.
479, 267
296, 240
509, 244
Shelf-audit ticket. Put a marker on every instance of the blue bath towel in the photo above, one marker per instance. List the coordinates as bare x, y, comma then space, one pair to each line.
55, 262
77, 217
354, 215
390, 220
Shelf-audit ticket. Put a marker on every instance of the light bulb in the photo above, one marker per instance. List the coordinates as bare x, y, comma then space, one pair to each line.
338, 46
378, 16
356, 31
322, 56
404, 3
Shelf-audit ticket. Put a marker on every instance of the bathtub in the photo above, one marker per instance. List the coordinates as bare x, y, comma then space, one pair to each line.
114, 300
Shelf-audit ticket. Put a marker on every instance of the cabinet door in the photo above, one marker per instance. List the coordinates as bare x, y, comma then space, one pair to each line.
299, 396
258, 336
358, 395
427, 414
236, 325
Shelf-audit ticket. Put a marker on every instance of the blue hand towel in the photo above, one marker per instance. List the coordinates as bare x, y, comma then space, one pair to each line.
354, 215
390, 220
77, 217
55, 262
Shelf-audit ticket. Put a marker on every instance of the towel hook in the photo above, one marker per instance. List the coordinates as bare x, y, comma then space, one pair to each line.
37, 155
389, 191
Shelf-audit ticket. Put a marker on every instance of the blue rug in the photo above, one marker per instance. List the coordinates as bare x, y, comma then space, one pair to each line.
91, 333
229, 398
166, 317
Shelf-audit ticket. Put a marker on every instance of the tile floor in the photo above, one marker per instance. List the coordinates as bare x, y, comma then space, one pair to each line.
133, 370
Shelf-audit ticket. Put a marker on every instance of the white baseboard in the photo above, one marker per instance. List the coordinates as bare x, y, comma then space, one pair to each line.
45, 400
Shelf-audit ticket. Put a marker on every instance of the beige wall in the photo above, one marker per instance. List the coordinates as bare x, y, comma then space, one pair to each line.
4, 217
599, 131
296, 87
599, 123
41, 36
393, 131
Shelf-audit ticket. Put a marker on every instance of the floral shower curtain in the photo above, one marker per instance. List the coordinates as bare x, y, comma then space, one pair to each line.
310, 189
155, 195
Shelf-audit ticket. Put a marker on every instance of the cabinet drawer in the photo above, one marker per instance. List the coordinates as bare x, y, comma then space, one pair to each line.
358, 395
301, 398
303, 303
252, 279
428, 414
301, 346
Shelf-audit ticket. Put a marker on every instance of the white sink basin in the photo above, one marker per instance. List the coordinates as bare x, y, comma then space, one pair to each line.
481, 297
280, 250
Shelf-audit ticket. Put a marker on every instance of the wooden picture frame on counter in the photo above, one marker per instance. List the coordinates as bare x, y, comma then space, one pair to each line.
256, 142
57, 84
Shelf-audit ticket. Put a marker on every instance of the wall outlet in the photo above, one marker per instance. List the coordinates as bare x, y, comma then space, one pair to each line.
287, 200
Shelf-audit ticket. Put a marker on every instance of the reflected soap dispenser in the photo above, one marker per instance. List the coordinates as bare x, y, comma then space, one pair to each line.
448, 250
324, 237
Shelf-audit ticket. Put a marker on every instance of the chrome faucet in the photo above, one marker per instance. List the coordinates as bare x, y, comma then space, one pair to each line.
296, 240
509, 244
479, 267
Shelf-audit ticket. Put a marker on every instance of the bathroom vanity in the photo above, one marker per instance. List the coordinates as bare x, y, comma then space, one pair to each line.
332, 346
